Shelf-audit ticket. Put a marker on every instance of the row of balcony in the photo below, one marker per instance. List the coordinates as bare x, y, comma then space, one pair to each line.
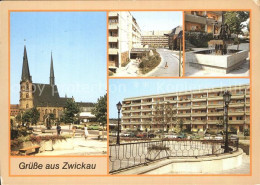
209, 114
209, 122
183, 100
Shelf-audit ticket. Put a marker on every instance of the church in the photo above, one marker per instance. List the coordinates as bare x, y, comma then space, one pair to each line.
45, 97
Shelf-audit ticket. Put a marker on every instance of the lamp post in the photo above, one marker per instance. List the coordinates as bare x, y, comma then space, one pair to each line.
226, 97
119, 106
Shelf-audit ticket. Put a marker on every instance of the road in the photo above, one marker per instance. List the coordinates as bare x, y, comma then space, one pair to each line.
172, 61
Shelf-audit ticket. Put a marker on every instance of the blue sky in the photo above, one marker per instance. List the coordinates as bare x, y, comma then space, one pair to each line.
78, 44
125, 88
159, 20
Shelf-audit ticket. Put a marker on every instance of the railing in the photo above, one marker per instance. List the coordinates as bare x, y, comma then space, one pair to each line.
129, 155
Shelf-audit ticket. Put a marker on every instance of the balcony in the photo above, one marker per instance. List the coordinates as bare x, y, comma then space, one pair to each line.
135, 116
135, 110
112, 39
236, 105
198, 114
236, 122
237, 97
126, 117
215, 105
112, 14
184, 107
195, 19
215, 114
183, 115
113, 26
199, 99
112, 51
199, 106
215, 97
198, 122
236, 113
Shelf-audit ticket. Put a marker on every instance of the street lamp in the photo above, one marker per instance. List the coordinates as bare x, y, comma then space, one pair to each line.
119, 106
226, 97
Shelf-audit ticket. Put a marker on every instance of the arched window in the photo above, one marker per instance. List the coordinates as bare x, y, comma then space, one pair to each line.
46, 111
27, 106
27, 86
27, 95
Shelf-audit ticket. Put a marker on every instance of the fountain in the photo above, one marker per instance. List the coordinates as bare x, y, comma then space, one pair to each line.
219, 58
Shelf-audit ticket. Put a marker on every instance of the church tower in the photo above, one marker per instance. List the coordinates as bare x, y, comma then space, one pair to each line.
52, 78
26, 87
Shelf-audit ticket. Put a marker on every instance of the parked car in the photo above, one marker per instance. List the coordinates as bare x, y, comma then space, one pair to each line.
171, 136
141, 135
151, 135
208, 136
233, 137
218, 137
181, 136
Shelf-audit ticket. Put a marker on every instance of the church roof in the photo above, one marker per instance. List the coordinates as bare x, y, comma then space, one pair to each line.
25, 71
46, 95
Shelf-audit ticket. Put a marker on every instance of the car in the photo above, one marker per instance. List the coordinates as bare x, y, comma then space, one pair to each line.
233, 137
171, 136
181, 136
141, 135
151, 135
218, 137
208, 136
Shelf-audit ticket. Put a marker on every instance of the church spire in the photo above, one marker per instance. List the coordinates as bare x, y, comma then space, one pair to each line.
52, 78
25, 71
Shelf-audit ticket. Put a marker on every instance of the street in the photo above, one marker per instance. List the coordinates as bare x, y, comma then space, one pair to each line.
171, 59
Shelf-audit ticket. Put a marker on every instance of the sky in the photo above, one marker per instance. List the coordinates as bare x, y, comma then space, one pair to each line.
126, 88
77, 41
159, 20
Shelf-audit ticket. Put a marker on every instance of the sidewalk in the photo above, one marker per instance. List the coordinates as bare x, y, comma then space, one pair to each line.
131, 69
79, 146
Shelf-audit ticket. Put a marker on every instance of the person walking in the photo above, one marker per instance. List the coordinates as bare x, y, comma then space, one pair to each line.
86, 132
58, 129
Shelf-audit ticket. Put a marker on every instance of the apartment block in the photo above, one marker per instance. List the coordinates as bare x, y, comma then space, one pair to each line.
124, 34
203, 21
155, 38
198, 109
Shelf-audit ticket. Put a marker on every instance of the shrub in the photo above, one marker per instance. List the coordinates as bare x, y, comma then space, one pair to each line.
199, 40
149, 63
125, 62
246, 132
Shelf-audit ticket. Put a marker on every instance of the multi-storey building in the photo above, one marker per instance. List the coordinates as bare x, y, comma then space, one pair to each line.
174, 38
155, 38
124, 34
198, 109
203, 21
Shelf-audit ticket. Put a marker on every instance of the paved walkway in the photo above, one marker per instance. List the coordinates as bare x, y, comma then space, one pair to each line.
242, 70
79, 146
131, 69
169, 65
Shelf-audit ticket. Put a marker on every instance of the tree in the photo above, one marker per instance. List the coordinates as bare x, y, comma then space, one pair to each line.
18, 118
26, 118
71, 109
34, 115
235, 19
100, 111
51, 117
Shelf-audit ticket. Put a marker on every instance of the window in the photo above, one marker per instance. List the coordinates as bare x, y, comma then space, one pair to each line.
230, 118
27, 106
27, 95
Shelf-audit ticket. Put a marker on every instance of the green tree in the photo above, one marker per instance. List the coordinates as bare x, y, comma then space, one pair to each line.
70, 112
234, 20
34, 115
51, 117
100, 110
18, 118
26, 118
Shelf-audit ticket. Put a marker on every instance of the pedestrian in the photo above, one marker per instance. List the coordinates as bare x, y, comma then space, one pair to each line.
86, 132
58, 129
73, 131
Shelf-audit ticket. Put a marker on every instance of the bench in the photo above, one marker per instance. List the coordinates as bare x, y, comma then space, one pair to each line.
24, 150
